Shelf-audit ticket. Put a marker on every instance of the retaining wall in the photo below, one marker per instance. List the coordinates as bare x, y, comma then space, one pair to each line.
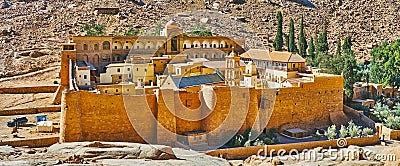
244, 152
32, 142
33, 89
23, 111
360, 116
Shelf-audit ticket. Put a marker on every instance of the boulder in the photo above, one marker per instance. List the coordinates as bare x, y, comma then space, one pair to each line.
112, 150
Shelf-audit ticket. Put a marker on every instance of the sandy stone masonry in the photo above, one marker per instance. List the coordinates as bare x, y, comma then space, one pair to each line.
87, 116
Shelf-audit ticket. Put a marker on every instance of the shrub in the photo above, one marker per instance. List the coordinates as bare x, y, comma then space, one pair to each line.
235, 141
381, 111
353, 129
258, 142
331, 132
392, 122
367, 131
343, 132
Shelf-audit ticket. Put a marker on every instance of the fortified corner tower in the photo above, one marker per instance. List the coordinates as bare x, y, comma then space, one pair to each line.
68, 57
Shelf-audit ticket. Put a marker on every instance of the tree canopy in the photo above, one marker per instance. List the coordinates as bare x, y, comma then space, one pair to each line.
278, 42
385, 64
93, 29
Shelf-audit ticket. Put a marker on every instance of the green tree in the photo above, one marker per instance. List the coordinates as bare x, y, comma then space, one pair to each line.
157, 30
94, 29
363, 74
132, 32
311, 51
385, 64
349, 68
338, 47
278, 42
302, 43
347, 44
322, 42
292, 44
286, 39
321, 51
200, 30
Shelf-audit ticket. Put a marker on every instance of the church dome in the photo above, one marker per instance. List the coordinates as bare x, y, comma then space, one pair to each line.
171, 23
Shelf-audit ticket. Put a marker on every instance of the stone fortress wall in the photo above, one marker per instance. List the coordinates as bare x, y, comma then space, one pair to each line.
155, 118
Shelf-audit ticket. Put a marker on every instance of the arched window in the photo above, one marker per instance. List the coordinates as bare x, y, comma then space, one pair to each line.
106, 45
85, 58
85, 47
96, 59
96, 47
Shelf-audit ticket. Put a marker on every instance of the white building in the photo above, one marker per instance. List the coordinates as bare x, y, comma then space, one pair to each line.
82, 73
117, 72
276, 66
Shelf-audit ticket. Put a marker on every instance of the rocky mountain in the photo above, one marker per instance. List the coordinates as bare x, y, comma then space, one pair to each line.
31, 31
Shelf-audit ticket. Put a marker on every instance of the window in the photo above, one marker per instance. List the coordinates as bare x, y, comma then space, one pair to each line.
106, 91
115, 47
119, 77
116, 90
137, 69
85, 77
106, 45
85, 47
188, 102
118, 70
106, 58
126, 47
145, 70
96, 47
129, 69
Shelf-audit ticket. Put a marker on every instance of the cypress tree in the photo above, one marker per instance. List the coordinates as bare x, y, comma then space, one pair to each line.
278, 42
292, 45
311, 49
286, 39
338, 47
347, 44
302, 43
322, 43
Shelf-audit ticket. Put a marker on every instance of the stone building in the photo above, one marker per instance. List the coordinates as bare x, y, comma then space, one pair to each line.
205, 92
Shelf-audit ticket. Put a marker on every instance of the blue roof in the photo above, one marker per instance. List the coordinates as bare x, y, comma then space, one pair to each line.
84, 64
183, 82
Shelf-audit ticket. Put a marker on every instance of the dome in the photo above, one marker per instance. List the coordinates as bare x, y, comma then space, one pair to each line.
171, 23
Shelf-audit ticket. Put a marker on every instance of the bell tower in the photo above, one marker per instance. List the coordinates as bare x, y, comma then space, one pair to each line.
232, 70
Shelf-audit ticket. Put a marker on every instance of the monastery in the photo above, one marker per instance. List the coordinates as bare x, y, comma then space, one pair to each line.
182, 90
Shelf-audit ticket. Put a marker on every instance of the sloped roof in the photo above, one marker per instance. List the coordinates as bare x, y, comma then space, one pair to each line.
276, 56
219, 64
183, 82
256, 54
85, 64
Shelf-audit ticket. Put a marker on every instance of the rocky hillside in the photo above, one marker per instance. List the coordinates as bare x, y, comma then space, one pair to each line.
31, 30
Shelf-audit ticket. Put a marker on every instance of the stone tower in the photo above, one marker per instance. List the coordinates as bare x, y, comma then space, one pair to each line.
232, 71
